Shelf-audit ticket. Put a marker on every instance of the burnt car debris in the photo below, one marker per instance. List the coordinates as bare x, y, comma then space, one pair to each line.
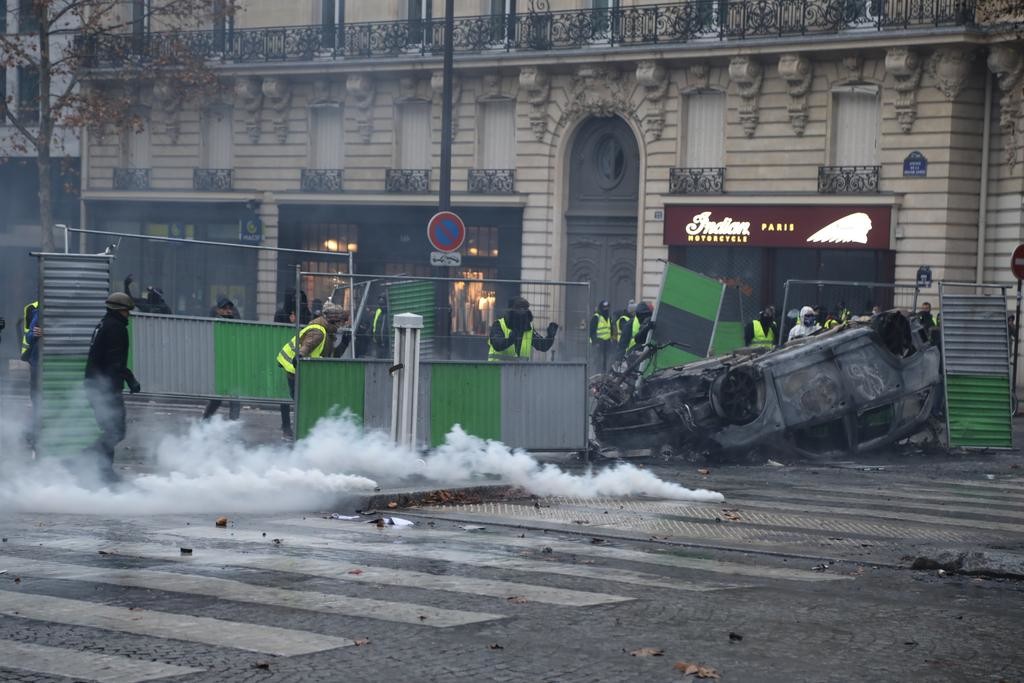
857, 387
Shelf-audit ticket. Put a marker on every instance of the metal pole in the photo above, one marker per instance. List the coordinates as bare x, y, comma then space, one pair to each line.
444, 202
298, 328
1016, 347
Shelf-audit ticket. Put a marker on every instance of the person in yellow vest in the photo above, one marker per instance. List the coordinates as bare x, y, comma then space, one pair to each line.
602, 335
512, 336
640, 327
762, 331
379, 328
623, 324
31, 333
313, 341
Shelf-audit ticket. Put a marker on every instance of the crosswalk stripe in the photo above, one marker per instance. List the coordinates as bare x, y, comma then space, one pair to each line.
599, 551
356, 572
90, 666
228, 589
1013, 488
891, 500
939, 497
475, 558
797, 508
252, 637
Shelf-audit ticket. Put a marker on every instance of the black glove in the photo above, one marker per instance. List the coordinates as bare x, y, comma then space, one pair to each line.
552, 329
134, 386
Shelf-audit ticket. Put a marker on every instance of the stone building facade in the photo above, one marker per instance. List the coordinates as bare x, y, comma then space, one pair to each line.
590, 139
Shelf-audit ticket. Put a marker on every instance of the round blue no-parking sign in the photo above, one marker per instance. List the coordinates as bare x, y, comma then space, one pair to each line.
446, 231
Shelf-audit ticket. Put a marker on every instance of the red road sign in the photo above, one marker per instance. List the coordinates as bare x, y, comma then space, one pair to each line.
446, 231
1017, 262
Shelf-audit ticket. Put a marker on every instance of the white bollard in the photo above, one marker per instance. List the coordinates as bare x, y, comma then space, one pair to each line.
406, 378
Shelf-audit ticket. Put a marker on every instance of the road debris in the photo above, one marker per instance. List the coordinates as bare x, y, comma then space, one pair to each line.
495, 646
185, 551
261, 665
335, 515
221, 522
471, 527
359, 642
647, 652
517, 599
355, 572
734, 637
704, 471
822, 567
392, 505
277, 541
731, 515
774, 463
696, 670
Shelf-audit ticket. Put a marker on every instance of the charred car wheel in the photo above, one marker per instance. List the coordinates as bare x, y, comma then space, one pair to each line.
738, 395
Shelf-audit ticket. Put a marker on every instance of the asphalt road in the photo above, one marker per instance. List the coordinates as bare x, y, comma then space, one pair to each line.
802, 575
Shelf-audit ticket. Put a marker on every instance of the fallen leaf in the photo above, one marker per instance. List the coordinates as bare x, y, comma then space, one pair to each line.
647, 652
17, 579
361, 641
392, 505
517, 599
704, 470
355, 572
222, 522
380, 523
495, 646
731, 515
696, 670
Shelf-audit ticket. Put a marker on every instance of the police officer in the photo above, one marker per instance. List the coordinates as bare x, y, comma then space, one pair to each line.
602, 334
106, 373
762, 332
512, 336
313, 341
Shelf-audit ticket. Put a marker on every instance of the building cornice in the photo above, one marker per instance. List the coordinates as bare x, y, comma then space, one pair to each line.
782, 199
304, 198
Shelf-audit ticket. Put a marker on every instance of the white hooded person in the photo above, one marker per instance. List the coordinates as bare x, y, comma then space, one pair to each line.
806, 325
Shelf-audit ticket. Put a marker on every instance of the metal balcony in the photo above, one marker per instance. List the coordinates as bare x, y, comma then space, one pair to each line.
696, 180
131, 178
492, 180
848, 179
212, 179
407, 180
536, 29
322, 179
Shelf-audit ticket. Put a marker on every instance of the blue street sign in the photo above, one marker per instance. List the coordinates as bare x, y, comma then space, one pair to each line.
915, 165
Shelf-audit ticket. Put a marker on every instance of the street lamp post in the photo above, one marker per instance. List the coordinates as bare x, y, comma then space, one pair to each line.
444, 199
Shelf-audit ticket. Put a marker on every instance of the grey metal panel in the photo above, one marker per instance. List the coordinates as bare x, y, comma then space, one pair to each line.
423, 406
377, 396
173, 355
974, 334
544, 405
74, 288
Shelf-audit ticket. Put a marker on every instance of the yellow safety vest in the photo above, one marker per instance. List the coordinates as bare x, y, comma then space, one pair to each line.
618, 324
635, 331
26, 325
830, 323
376, 318
286, 358
760, 338
525, 346
604, 328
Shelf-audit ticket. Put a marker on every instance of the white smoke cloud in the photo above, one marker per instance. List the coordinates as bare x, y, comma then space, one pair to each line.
209, 468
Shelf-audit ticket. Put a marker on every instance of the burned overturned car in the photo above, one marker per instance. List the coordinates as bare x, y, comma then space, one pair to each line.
863, 385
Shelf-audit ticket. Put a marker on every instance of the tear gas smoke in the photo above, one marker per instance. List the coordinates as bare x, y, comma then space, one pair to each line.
209, 468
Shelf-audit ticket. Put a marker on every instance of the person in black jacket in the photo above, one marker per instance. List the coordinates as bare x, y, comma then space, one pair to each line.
512, 336
106, 373
225, 308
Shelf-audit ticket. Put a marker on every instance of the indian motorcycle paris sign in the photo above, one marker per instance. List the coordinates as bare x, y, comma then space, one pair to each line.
849, 227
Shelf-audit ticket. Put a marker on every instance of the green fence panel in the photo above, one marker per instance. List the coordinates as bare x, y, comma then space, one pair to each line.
67, 421
245, 356
467, 394
326, 386
414, 297
728, 337
688, 307
979, 411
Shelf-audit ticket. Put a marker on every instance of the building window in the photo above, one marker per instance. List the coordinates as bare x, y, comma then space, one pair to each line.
503, 23
418, 15
855, 121
498, 134
705, 130
140, 17
332, 21
137, 144
473, 303
217, 138
414, 135
327, 138
3, 93
3, 17
28, 95
28, 19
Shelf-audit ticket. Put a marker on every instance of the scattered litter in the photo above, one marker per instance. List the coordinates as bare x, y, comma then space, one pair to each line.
3, 540
392, 521
990, 476
731, 515
942, 572
222, 522
3, 571
495, 646
704, 470
261, 665
517, 599
580, 521
774, 463
598, 541
107, 552
822, 567
735, 637
422, 618
873, 468
355, 572
696, 670
17, 579
264, 534
335, 515
186, 551
392, 505
361, 641
277, 541
547, 550
471, 527
647, 652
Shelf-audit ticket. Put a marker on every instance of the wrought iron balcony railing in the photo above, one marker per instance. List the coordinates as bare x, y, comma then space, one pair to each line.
131, 178
847, 179
211, 179
696, 180
492, 180
322, 179
537, 29
407, 180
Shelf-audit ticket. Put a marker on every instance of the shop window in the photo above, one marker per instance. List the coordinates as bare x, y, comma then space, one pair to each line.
217, 138
473, 303
28, 95
498, 134
856, 118
137, 142
327, 141
481, 242
333, 237
414, 135
705, 129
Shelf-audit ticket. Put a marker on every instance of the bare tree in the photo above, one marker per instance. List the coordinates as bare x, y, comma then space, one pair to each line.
91, 57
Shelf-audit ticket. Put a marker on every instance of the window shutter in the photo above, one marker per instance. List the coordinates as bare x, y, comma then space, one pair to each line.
217, 143
328, 137
498, 134
414, 135
139, 147
855, 132
705, 130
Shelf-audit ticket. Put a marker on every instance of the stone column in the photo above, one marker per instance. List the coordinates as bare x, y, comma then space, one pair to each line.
266, 264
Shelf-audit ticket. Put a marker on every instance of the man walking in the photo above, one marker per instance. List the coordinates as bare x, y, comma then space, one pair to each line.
106, 373
313, 341
225, 308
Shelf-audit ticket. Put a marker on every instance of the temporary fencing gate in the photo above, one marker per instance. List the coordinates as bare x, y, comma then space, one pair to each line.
74, 288
856, 297
976, 365
539, 404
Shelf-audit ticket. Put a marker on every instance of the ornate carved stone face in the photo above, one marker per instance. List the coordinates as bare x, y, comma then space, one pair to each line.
950, 68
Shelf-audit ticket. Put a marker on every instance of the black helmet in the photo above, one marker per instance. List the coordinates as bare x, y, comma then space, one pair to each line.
643, 310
